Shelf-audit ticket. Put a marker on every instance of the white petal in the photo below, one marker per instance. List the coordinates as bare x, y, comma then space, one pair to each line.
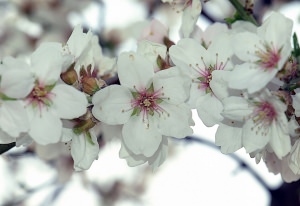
174, 85
244, 45
5, 138
131, 158
112, 104
296, 104
229, 138
84, 152
209, 109
151, 51
134, 70
254, 138
16, 78
189, 18
176, 121
160, 156
69, 102
294, 160
250, 77
236, 108
13, 118
46, 127
141, 138
280, 140
283, 33
188, 51
47, 62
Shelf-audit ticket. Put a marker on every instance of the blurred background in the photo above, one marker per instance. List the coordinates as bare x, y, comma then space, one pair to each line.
195, 172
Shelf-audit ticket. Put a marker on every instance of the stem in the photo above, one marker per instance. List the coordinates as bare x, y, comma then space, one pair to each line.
241, 11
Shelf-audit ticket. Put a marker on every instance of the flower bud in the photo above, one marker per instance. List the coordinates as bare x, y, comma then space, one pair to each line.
69, 76
90, 86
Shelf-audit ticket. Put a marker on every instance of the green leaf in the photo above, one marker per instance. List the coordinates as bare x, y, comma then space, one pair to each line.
6, 147
296, 51
241, 13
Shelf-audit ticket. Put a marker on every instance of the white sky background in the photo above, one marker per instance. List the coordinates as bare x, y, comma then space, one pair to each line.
195, 175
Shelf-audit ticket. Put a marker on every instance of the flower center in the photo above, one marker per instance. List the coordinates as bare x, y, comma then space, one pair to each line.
146, 101
268, 57
40, 95
263, 115
205, 74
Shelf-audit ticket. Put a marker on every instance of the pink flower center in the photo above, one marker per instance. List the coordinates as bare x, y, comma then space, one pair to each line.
40, 96
263, 115
268, 57
147, 101
205, 74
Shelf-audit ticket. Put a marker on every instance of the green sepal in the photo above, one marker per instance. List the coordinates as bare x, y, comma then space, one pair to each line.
160, 62
158, 101
151, 112
201, 79
136, 111
77, 130
6, 98
48, 88
135, 95
150, 89
89, 138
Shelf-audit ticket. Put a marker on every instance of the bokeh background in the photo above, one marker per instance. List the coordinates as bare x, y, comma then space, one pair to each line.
195, 172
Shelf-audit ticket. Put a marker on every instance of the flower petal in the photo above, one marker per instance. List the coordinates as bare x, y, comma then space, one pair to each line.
174, 85
84, 152
209, 109
47, 62
16, 78
250, 77
229, 137
112, 104
13, 118
141, 138
280, 140
69, 102
135, 71
176, 121
253, 138
236, 108
46, 127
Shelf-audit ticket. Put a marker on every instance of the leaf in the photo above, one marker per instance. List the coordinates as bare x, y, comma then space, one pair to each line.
296, 51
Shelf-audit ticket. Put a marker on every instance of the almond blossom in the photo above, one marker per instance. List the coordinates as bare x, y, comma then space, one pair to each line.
263, 53
49, 101
262, 120
154, 161
199, 64
191, 10
151, 103
16, 82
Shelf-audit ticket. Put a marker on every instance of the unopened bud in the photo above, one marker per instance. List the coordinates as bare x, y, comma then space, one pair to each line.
161, 63
69, 76
168, 42
91, 85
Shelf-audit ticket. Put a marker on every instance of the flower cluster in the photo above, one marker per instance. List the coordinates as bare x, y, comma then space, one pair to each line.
243, 78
